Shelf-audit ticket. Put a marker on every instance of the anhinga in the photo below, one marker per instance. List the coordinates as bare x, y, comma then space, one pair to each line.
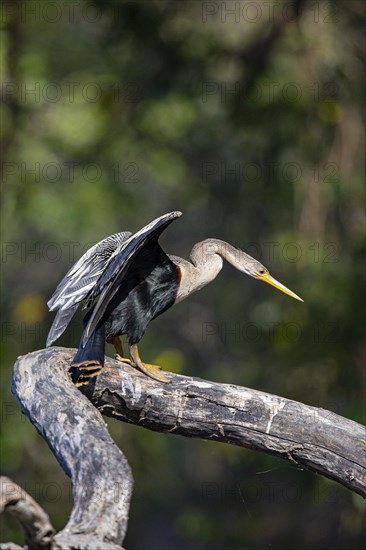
131, 280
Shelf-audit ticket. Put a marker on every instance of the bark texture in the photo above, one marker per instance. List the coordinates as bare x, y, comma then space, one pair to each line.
77, 435
34, 520
70, 421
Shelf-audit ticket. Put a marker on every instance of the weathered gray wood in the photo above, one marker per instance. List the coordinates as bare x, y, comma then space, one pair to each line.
317, 439
314, 438
77, 435
34, 520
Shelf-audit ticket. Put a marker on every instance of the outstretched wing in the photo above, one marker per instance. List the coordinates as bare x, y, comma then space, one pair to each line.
60, 322
79, 281
112, 277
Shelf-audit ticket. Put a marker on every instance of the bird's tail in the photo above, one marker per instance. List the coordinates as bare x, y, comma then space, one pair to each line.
89, 360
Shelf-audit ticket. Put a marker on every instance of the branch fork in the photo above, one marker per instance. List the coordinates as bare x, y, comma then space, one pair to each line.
71, 422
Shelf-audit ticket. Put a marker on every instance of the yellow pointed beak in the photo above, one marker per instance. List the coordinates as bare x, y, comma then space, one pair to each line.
267, 278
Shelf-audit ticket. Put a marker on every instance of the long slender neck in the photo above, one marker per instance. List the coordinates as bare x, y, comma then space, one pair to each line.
206, 263
211, 250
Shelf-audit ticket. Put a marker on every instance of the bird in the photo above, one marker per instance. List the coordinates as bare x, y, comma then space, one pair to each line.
126, 281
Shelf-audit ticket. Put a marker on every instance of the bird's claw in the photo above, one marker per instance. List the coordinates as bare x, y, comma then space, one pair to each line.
118, 357
152, 371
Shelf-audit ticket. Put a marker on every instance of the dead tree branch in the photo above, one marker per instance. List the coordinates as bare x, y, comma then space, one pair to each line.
34, 520
77, 435
316, 439
313, 438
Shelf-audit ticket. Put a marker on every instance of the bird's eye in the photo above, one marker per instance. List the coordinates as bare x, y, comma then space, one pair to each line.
261, 272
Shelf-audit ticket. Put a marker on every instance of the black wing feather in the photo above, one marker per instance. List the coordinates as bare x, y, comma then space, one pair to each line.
112, 277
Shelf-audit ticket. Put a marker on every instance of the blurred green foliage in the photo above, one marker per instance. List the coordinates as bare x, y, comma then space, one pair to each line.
251, 123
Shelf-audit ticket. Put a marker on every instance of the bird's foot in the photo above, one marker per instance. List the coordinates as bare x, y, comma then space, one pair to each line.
152, 371
82, 373
118, 357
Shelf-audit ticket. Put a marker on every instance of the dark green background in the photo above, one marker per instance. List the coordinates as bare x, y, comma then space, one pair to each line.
251, 123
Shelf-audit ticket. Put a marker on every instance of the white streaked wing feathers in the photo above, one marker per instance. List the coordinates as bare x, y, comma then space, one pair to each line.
82, 276
93, 274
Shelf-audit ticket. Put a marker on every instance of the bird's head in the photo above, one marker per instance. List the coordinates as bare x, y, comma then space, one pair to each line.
203, 254
255, 269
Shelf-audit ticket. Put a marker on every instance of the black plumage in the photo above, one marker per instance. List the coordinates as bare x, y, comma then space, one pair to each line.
148, 290
128, 280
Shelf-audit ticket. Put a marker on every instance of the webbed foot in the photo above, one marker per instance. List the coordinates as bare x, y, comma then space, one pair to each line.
122, 359
153, 371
